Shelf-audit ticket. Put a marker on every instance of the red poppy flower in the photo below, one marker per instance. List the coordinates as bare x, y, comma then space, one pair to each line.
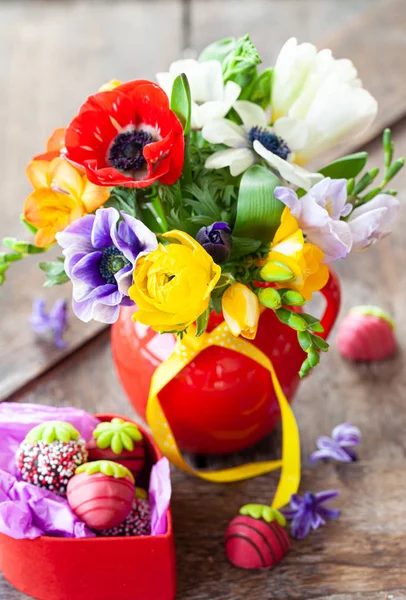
127, 136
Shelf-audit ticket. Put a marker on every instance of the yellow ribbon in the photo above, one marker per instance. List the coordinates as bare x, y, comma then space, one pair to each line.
185, 351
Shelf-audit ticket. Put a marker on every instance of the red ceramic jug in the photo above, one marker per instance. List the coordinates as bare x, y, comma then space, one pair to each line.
222, 402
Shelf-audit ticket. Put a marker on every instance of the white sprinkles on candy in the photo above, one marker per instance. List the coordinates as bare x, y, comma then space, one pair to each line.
50, 465
138, 522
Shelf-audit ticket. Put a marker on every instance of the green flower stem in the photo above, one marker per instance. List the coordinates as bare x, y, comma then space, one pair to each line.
187, 178
160, 214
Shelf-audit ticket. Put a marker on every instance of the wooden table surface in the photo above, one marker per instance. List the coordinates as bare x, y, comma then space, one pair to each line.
52, 55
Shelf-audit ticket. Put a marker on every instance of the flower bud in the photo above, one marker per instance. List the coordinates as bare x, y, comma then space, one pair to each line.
216, 240
241, 310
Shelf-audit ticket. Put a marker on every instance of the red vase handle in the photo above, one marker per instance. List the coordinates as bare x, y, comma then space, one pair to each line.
332, 294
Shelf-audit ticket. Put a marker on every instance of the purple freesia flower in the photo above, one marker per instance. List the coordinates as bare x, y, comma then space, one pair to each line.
339, 445
373, 221
319, 214
309, 512
216, 240
54, 322
100, 253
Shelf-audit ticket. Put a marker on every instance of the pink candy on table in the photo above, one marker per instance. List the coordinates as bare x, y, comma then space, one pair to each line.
366, 334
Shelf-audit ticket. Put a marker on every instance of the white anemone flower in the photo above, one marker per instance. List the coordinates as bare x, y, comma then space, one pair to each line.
324, 94
211, 98
254, 139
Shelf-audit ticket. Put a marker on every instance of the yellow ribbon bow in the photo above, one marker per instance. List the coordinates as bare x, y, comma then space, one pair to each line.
184, 352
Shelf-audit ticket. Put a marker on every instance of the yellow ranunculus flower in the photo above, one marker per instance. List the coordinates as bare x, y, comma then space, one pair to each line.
172, 284
61, 195
241, 310
303, 259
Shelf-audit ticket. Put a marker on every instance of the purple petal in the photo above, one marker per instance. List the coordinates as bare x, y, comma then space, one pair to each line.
327, 513
77, 234
133, 237
333, 454
105, 220
296, 502
289, 199
87, 270
105, 314
289, 513
325, 496
221, 225
301, 525
317, 521
325, 442
346, 433
124, 279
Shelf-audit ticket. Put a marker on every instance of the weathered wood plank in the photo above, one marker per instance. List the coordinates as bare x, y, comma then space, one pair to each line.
52, 56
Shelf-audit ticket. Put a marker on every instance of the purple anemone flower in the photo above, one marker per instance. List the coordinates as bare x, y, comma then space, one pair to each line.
340, 445
54, 322
309, 512
100, 253
216, 240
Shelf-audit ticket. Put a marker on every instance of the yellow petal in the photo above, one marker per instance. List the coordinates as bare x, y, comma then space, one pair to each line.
37, 173
93, 195
56, 140
241, 310
289, 226
65, 177
110, 85
183, 238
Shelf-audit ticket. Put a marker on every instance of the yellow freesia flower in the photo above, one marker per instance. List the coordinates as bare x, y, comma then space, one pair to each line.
241, 310
172, 285
304, 260
61, 195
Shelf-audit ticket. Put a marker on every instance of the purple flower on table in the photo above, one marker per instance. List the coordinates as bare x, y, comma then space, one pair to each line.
340, 445
54, 322
216, 240
309, 512
319, 214
100, 253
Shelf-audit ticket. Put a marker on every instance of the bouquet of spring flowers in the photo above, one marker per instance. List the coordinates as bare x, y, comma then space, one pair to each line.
192, 195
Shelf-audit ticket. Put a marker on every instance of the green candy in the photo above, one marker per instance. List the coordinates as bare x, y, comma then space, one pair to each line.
52, 431
118, 435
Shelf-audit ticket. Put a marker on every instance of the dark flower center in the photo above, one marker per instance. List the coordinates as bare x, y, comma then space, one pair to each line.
112, 261
215, 237
126, 152
270, 141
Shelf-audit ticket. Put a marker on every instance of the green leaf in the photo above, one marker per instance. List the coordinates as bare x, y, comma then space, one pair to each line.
313, 357
262, 511
243, 246
54, 272
291, 318
30, 228
202, 322
258, 211
365, 181
125, 199
218, 50
346, 167
181, 101
22, 247
320, 343
312, 323
261, 89
270, 298
305, 340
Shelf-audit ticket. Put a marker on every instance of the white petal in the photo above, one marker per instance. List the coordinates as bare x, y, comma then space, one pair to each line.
295, 133
165, 80
225, 132
238, 159
291, 172
380, 201
211, 111
290, 73
364, 227
334, 239
251, 114
231, 92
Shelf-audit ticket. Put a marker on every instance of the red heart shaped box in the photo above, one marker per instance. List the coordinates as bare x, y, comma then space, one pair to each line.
121, 568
